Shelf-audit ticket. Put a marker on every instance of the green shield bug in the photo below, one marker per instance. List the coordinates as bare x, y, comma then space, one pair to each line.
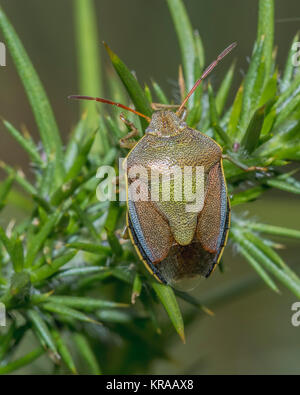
174, 243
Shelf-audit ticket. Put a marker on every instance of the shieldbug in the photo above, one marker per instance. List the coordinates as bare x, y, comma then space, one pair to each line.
176, 244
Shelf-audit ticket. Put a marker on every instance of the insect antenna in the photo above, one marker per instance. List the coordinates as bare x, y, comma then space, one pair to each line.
99, 99
205, 74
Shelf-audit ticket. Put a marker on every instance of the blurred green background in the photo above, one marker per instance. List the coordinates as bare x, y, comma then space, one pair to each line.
250, 334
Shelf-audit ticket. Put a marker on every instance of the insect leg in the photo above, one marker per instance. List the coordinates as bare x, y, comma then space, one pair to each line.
116, 181
125, 141
242, 165
125, 233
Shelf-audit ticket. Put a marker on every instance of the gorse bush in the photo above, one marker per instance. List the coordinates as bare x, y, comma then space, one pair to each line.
66, 274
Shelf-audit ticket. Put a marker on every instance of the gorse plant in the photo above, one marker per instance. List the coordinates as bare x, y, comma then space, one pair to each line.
66, 275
